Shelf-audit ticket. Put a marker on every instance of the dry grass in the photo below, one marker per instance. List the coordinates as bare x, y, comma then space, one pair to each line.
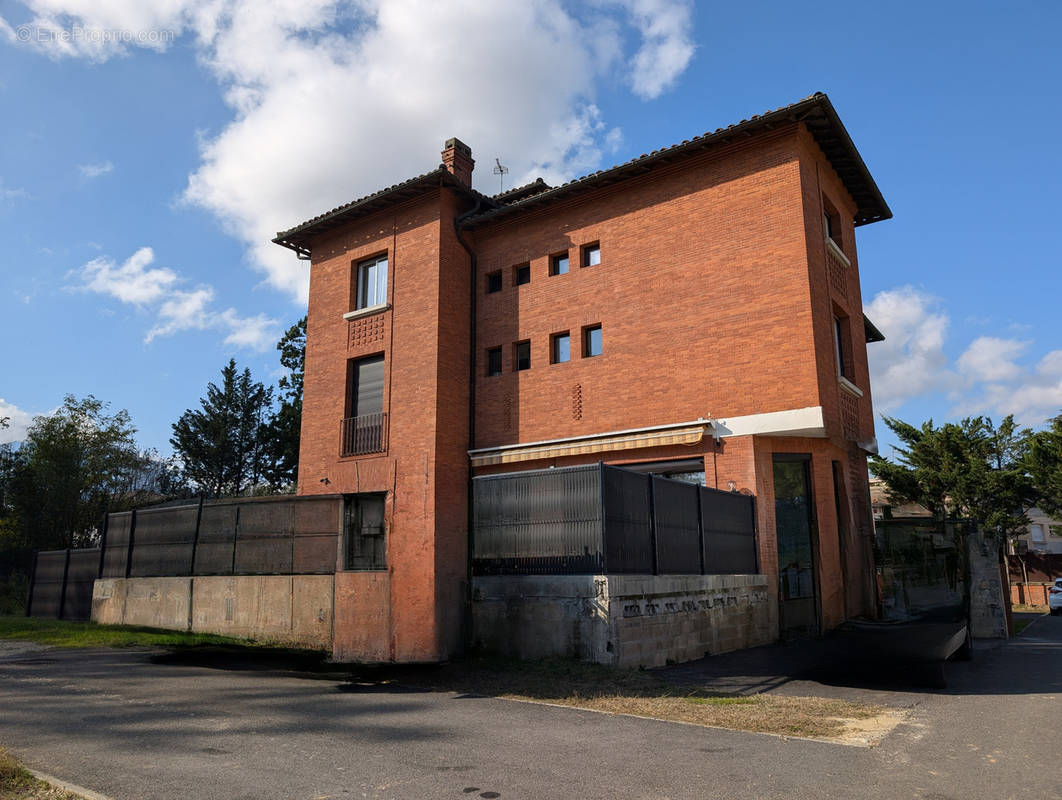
18, 784
1022, 608
644, 694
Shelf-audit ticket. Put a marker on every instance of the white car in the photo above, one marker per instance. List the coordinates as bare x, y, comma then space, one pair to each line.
1054, 597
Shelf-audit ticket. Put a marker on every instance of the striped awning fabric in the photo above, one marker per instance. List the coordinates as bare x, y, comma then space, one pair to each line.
600, 443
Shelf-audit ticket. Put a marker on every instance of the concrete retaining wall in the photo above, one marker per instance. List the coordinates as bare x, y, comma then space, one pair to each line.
287, 609
623, 620
988, 616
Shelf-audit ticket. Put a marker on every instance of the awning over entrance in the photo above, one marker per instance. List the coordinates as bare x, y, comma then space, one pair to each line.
687, 433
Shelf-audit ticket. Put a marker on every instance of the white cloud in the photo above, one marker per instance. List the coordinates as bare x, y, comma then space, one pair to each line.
175, 309
667, 47
911, 361
90, 171
132, 282
8, 195
988, 377
18, 422
991, 359
333, 100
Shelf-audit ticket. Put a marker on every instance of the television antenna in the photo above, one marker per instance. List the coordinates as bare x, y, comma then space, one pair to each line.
501, 172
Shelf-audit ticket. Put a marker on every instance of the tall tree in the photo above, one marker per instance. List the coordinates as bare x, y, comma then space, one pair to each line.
224, 444
287, 422
73, 465
1044, 462
967, 469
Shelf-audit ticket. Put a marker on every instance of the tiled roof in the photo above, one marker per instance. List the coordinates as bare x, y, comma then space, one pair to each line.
297, 238
815, 111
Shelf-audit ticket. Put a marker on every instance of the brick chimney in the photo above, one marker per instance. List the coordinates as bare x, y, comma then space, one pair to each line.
457, 157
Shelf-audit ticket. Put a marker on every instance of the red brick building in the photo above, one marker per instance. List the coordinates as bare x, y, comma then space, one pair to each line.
695, 311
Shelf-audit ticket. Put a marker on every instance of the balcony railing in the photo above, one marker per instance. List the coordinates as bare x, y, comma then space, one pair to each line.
364, 434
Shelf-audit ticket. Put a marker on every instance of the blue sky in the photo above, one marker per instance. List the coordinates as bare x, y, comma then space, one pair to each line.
148, 154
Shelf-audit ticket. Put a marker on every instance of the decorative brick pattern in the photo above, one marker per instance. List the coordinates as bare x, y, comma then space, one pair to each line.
849, 416
838, 274
366, 330
577, 401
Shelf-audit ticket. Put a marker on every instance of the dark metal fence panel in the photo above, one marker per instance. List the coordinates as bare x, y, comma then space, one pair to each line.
628, 521
538, 522
163, 541
317, 522
81, 575
217, 539
47, 597
116, 548
265, 537
678, 527
728, 522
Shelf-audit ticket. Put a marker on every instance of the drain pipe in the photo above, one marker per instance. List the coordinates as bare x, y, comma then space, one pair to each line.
458, 221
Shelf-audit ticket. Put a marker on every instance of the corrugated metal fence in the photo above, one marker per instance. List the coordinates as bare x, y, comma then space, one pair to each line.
242, 536
61, 585
601, 519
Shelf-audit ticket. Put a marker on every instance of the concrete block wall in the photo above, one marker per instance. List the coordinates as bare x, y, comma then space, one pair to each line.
621, 620
286, 609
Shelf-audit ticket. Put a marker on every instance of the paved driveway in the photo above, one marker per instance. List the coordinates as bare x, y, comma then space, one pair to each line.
117, 723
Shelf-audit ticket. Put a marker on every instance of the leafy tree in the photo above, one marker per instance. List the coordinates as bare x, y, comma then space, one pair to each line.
72, 467
1044, 462
224, 445
287, 422
967, 469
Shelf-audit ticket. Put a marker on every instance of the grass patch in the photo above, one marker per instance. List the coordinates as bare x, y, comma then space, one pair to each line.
644, 694
66, 633
17, 783
1022, 608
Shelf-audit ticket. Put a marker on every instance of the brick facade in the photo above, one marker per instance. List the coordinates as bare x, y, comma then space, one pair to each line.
718, 296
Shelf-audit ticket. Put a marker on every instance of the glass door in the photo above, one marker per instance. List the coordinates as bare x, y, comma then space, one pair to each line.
794, 515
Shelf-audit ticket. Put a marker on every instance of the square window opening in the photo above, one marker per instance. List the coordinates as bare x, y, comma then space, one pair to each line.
494, 362
591, 255
494, 282
558, 264
592, 342
521, 356
521, 274
560, 348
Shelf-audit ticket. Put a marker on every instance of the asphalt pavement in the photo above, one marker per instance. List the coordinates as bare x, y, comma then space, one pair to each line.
130, 728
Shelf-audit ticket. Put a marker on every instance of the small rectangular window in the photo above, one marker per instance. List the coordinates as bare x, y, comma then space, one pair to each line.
591, 255
494, 361
365, 532
494, 282
831, 222
558, 264
592, 345
371, 283
521, 356
521, 274
839, 344
561, 348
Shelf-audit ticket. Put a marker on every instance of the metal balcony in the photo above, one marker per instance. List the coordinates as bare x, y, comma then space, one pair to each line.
361, 435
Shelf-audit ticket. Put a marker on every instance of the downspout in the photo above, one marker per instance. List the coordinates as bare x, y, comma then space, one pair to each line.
471, 407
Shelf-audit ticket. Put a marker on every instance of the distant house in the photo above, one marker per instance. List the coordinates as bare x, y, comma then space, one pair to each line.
885, 508
1043, 535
